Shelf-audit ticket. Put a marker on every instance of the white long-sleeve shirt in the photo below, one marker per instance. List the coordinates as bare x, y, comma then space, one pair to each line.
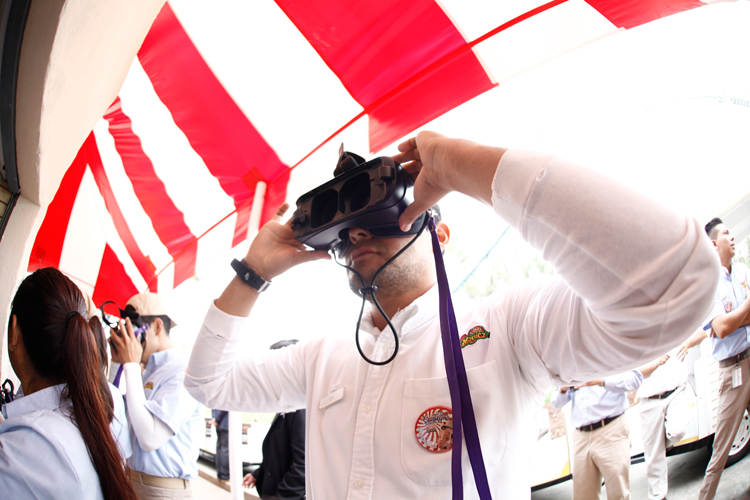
633, 278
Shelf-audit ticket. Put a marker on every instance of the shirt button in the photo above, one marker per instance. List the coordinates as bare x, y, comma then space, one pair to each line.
368, 408
358, 483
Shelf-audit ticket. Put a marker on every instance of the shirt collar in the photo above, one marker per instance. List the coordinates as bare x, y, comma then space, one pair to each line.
158, 359
45, 399
408, 319
725, 272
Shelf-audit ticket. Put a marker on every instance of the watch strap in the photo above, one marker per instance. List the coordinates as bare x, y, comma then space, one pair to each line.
249, 276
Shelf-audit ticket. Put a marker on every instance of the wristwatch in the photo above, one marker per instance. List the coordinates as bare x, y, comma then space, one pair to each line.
249, 276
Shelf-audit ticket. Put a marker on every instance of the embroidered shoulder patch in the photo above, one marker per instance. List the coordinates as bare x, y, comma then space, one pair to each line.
149, 385
475, 334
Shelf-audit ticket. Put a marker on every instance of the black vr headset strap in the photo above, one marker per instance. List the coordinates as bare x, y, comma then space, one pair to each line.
370, 290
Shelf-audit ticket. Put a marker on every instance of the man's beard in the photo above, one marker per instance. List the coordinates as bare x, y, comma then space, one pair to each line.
398, 277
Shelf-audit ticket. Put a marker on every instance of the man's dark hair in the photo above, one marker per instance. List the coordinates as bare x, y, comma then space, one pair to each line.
164, 319
711, 226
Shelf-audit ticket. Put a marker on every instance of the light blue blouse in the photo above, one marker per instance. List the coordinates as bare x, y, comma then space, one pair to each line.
42, 453
119, 425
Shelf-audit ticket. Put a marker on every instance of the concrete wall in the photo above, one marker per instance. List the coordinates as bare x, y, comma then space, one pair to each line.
74, 57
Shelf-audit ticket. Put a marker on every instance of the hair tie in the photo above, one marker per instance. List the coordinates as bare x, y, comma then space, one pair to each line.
70, 316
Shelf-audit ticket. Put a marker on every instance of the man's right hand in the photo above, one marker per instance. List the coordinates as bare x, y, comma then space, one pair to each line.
274, 250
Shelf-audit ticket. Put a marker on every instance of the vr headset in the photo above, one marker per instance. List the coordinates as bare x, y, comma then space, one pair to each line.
368, 195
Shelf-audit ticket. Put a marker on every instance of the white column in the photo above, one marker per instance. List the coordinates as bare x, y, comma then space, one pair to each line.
235, 455
235, 418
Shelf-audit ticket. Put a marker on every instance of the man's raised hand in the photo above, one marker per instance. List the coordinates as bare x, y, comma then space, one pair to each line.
274, 250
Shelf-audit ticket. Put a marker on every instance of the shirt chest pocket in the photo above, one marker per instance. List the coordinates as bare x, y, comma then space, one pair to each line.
425, 430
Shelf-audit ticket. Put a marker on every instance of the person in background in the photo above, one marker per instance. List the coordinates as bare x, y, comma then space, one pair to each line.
220, 420
729, 321
664, 417
56, 441
601, 442
282, 473
164, 419
119, 425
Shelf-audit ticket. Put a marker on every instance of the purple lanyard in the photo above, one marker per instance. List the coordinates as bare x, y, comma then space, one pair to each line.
458, 384
116, 381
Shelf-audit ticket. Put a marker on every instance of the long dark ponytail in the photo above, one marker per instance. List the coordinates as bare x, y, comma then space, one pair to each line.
51, 313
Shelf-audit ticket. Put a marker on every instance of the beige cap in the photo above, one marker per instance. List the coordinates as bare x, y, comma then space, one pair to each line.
150, 304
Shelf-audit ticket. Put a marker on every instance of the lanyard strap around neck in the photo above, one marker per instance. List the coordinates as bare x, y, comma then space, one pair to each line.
458, 384
116, 381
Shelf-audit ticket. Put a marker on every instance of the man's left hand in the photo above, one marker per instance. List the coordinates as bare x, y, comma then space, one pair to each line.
128, 347
439, 165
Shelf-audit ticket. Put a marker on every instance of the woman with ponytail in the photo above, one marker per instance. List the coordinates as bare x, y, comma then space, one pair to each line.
56, 441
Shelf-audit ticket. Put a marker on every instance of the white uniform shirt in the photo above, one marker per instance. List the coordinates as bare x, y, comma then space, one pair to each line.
42, 453
594, 403
167, 400
670, 375
119, 425
627, 292
730, 294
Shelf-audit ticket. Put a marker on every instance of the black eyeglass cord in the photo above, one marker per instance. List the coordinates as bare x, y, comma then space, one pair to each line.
370, 290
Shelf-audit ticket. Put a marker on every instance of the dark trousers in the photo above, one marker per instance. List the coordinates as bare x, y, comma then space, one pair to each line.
222, 454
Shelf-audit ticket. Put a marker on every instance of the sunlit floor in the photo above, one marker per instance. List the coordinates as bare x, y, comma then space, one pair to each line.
686, 472
205, 487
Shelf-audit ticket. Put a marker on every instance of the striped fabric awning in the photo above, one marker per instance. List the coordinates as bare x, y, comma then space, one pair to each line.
233, 100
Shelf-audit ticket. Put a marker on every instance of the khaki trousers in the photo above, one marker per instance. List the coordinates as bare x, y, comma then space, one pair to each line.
663, 423
732, 405
147, 492
602, 453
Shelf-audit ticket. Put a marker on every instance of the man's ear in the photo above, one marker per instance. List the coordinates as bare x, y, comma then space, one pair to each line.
444, 234
158, 326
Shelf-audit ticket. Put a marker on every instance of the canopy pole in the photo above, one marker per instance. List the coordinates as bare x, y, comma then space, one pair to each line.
235, 455
259, 201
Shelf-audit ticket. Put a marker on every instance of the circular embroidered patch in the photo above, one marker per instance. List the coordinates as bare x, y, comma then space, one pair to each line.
728, 306
434, 429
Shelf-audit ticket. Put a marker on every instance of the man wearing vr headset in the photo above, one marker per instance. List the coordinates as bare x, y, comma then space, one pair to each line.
164, 419
625, 293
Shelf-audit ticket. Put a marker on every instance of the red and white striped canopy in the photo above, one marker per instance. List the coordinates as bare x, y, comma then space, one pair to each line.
231, 99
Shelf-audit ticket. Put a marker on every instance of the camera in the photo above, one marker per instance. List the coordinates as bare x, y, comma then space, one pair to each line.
364, 194
113, 322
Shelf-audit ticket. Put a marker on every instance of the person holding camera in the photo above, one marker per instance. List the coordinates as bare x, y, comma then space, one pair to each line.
625, 292
164, 418
55, 440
